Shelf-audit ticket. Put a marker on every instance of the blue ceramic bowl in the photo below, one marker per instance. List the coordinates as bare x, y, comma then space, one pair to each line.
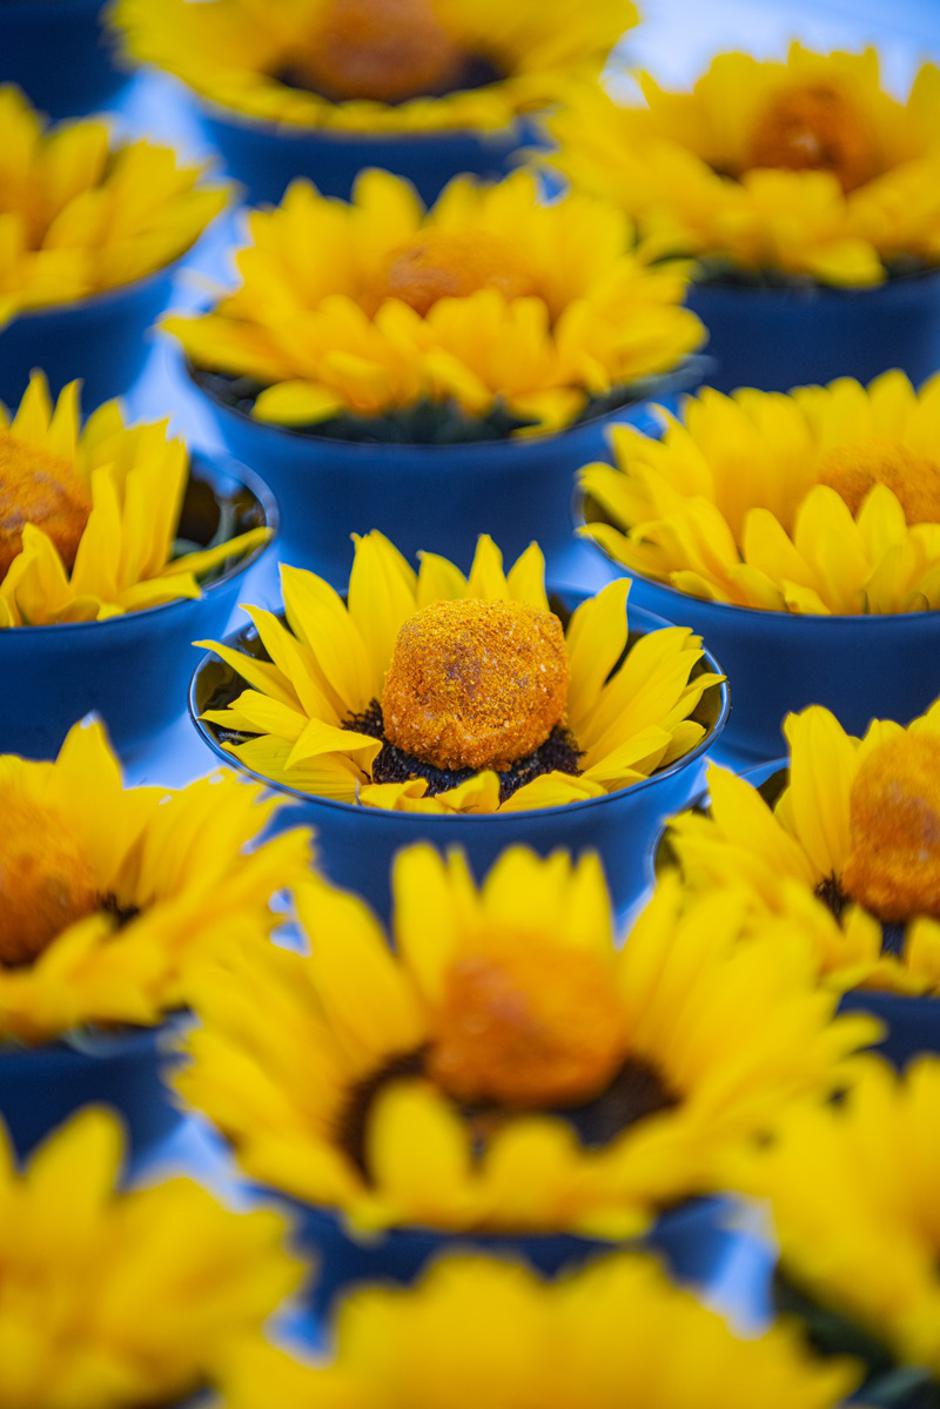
104, 340
516, 490
133, 670
775, 339
265, 157
356, 844
695, 1240
59, 54
40, 1087
912, 1024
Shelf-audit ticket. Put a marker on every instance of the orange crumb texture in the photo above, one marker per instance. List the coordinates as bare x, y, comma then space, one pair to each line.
816, 128
853, 471
43, 489
46, 881
452, 264
475, 684
383, 50
894, 865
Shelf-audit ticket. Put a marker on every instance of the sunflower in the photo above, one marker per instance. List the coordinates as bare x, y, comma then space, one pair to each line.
513, 313
802, 169
852, 1192
849, 850
824, 500
123, 1300
505, 1066
435, 692
375, 66
107, 893
89, 514
478, 1331
80, 215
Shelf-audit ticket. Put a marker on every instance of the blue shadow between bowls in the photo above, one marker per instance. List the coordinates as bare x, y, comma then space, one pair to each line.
132, 670
104, 340
912, 1024
265, 157
516, 490
356, 844
59, 54
40, 1087
775, 339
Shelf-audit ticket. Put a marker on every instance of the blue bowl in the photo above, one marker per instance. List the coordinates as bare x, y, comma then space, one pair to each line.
695, 1240
133, 670
104, 340
59, 54
516, 490
356, 844
775, 339
40, 1087
265, 157
912, 1025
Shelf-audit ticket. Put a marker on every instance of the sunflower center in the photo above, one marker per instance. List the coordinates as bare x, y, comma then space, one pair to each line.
914, 479
43, 489
530, 1026
475, 684
46, 880
383, 50
452, 264
815, 127
893, 867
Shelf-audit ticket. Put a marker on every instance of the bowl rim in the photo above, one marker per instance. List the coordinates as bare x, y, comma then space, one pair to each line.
469, 819
214, 467
135, 1041
815, 289
104, 298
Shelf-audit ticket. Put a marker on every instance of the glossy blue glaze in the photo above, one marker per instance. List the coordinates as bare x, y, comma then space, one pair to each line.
104, 340
132, 670
356, 844
59, 53
776, 339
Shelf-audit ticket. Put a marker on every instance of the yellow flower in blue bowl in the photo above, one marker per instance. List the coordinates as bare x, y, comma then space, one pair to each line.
478, 1330
92, 231
502, 1073
472, 711
807, 193
850, 1187
325, 88
839, 841
117, 1298
436, 372
107, 897
115, 551
800, 534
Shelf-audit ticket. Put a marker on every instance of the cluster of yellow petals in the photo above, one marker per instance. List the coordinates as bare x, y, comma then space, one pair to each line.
823, 501
492, 298
80, 215
805, 167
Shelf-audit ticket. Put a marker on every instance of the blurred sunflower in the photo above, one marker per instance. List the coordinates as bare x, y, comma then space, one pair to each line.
505, 1066
518, 314
89, 514
480, 1331
802, 169
435, 692
849, 851
80, 215
384, 66
824, 500
107, 893
852, 1192
123, 1300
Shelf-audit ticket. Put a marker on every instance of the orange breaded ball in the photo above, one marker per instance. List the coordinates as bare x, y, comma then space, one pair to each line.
475, 684
381, 50
46, 880
452, 264
853, 472
43, 489
815, 127
538, 1025
894, 865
